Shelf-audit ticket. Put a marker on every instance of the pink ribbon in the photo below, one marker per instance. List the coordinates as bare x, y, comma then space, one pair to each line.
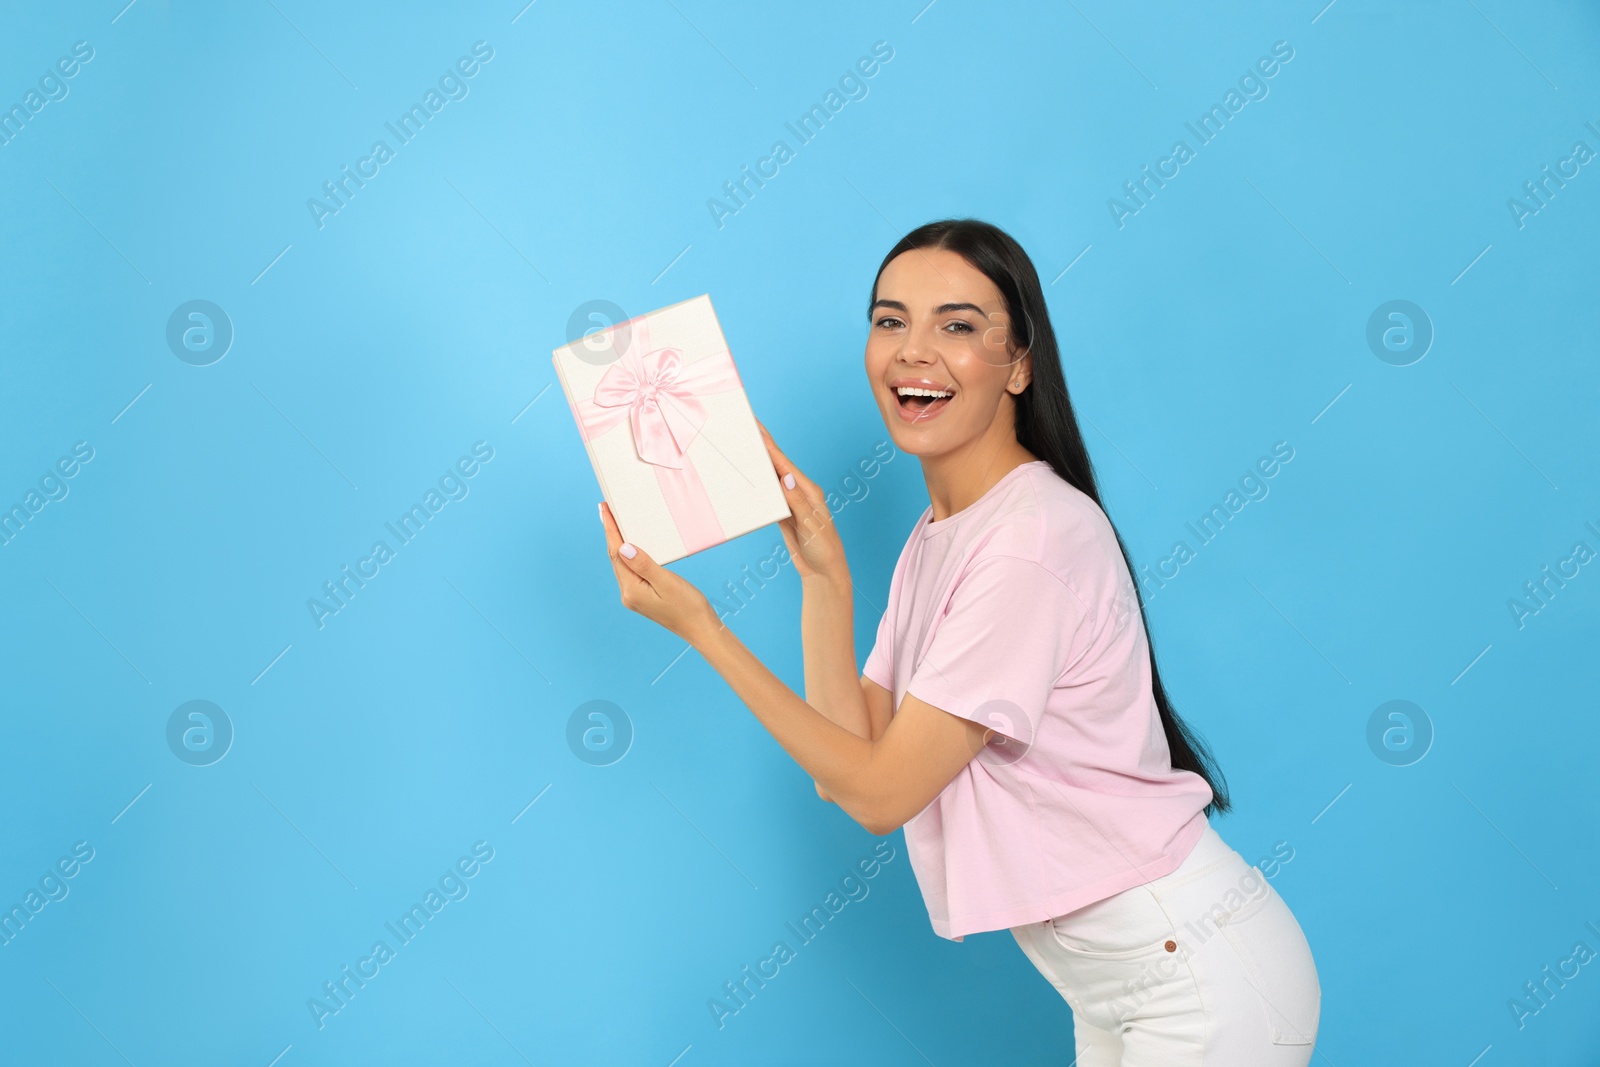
659, 395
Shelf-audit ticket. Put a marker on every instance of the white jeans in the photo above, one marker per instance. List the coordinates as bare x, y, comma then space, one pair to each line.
1203, 967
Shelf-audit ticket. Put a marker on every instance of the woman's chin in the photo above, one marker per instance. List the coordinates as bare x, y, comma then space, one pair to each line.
917, 441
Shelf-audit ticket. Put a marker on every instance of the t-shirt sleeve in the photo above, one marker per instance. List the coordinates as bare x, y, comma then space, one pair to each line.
1006, 637
880, 661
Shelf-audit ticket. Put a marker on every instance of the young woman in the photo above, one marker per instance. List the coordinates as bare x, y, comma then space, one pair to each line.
1010, 716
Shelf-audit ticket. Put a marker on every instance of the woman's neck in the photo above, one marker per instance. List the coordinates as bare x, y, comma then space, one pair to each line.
956, 481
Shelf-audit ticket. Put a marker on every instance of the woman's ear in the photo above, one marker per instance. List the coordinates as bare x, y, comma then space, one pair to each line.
1023, 374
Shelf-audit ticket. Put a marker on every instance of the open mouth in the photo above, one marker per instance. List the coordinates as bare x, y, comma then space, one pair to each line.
921, 403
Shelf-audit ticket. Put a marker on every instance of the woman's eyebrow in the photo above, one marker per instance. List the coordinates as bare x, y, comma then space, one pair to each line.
940, 310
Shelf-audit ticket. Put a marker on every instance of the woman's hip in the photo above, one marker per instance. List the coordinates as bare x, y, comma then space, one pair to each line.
1205, 965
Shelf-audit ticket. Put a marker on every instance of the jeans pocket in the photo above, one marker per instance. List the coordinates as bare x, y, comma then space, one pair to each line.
1149, 947
1277, 959
1128, 926
1106, 989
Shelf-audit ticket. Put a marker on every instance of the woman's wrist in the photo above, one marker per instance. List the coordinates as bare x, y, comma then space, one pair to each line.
835, 583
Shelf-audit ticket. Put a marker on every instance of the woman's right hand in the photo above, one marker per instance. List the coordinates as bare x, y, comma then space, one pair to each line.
809, 532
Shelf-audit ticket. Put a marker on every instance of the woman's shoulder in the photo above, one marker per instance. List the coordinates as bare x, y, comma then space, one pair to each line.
1049, 521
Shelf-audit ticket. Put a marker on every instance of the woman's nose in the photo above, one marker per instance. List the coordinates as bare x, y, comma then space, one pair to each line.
916, 348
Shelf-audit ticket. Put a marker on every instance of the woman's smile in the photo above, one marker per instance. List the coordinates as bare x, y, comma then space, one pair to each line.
921, 399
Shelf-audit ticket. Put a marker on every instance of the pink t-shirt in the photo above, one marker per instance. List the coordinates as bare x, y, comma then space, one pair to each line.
1018, 612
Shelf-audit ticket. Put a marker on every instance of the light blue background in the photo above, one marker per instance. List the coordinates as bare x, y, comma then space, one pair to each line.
1228, 314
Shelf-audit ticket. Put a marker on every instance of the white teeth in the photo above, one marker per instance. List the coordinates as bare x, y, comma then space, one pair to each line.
908, 390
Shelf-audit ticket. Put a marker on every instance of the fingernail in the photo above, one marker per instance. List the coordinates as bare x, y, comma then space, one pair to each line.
788, 481
628, 550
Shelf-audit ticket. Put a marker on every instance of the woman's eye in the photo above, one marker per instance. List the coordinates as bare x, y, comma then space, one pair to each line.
960, 327
888, 321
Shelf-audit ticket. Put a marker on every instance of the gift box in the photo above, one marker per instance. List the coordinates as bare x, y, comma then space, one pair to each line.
669, 431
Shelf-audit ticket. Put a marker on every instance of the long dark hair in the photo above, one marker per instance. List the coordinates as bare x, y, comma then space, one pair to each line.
1047, 427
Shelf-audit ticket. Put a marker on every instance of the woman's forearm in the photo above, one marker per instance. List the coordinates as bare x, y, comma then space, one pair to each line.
832, 754
827, 634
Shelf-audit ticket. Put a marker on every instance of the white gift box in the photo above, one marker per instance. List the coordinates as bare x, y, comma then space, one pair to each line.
669, 430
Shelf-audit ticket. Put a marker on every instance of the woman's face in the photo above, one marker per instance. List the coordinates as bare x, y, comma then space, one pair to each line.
939, 325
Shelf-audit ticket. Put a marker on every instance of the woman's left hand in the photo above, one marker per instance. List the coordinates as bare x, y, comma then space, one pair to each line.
653, 591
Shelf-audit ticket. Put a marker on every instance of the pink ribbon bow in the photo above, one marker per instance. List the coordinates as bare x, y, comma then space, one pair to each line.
659, 395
